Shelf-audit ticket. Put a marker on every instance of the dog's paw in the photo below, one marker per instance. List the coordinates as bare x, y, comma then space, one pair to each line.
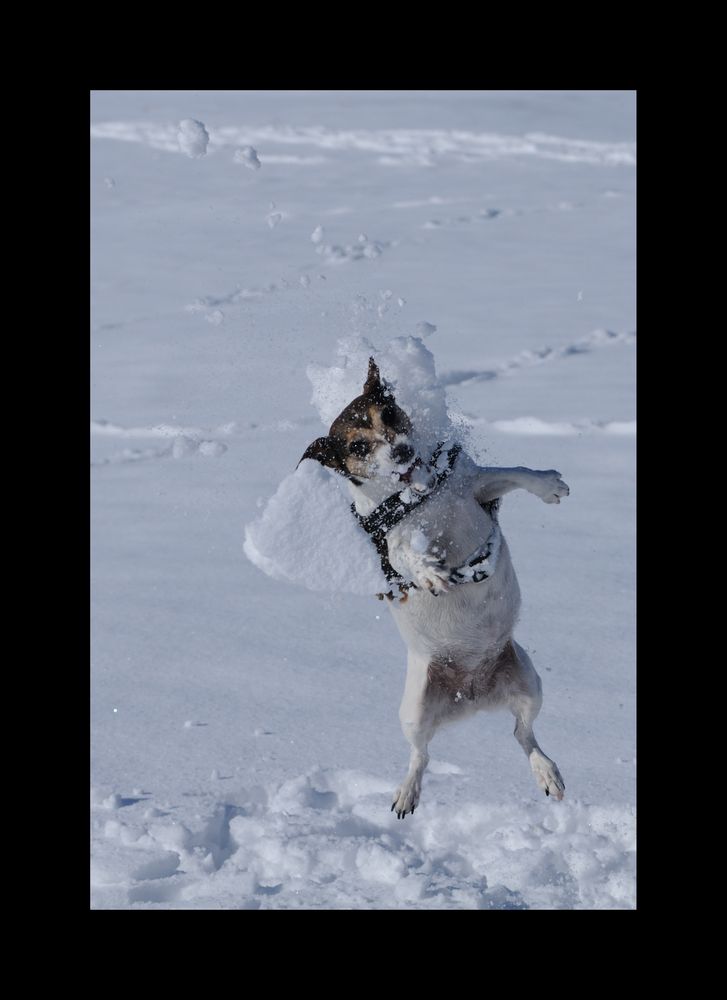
547, 775
550, 487
430, 574
406, 798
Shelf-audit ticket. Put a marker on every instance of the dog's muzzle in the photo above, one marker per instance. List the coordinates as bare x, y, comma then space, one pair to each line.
402, 453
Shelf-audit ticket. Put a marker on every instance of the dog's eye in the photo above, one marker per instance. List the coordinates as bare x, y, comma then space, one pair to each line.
360, 448
388, 416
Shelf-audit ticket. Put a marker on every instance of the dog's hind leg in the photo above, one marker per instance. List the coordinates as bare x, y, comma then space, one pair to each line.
524, 698
418, 723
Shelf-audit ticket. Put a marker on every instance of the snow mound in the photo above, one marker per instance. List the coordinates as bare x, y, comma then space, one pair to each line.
307, 534
326, 839
193, 137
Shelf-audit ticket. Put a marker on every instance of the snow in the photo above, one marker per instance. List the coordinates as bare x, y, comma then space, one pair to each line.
245, 732
193, 138
247, 157
307, 535
405, 364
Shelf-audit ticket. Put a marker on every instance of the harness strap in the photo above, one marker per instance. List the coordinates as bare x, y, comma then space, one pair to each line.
392, 510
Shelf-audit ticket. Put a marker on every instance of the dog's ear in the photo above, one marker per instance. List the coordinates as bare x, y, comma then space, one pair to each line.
373, 385
326, 451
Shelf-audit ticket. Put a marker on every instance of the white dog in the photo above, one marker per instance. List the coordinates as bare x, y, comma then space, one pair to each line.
433, 519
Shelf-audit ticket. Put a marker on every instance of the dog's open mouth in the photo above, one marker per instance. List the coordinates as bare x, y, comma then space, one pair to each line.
405, 477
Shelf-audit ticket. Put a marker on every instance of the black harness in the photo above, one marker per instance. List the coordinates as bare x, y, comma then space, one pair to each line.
392, 510
396, 507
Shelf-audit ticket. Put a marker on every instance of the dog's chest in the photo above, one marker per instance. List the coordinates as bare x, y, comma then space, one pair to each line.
449, 525
467, 620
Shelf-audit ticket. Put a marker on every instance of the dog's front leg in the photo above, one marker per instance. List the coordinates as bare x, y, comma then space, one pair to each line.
493, 483
418, 723
412, 557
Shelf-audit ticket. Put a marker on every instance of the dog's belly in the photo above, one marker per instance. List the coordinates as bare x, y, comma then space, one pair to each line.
468, 624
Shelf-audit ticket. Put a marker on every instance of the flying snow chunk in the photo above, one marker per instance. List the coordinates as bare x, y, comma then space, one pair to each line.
273, 219
426, 329
308, 536
193, 138
317, 235
247, 157
405, 363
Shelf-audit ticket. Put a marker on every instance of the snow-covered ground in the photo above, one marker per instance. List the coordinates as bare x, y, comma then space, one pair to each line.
245, 735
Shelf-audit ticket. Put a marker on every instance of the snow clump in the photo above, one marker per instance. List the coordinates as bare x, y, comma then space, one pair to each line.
193, 137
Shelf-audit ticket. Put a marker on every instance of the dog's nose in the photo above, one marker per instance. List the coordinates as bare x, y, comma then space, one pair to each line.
402, 453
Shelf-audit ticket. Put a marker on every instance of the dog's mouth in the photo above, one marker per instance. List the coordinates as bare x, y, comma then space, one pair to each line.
405, 477
418, 476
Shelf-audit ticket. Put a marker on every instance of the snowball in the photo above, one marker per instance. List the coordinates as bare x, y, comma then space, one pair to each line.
426, 329
273, 219
305, 281
308, 535
317, 235
193, 138
109, 182
216, 318
247, 157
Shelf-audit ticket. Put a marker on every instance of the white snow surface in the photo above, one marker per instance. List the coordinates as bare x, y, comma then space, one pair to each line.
245, 732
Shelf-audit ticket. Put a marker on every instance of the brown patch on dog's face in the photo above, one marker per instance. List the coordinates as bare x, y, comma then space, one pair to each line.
371, 420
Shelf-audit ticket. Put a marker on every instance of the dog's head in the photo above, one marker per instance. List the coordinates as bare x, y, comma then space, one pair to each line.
370, 439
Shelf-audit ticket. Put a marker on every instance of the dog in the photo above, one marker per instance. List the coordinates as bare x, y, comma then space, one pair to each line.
433, 515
